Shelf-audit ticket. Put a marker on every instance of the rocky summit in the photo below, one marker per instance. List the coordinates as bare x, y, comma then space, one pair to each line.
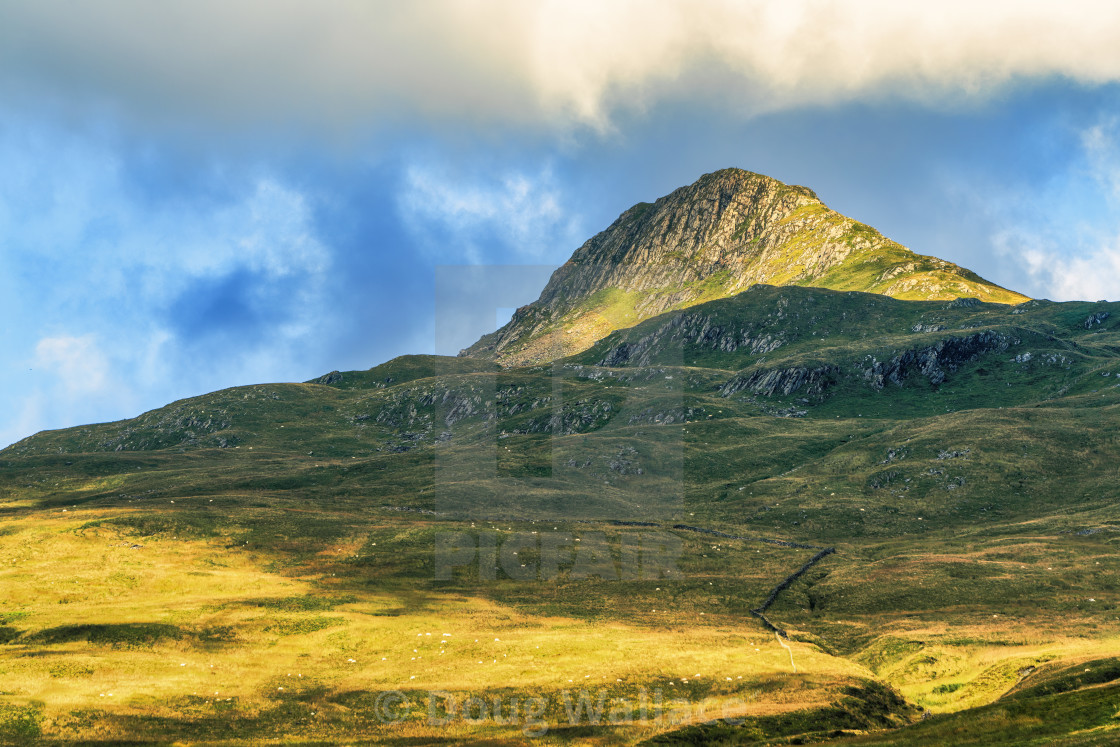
715, 238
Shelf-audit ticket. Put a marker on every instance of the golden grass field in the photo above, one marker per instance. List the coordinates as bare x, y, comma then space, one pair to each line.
226, 645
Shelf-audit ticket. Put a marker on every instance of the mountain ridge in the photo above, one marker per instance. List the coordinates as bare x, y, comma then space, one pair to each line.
789, 349
712, 239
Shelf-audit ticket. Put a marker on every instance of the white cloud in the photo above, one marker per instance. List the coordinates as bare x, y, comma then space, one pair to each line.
1102, 150
65, 200
78, 363
1065, 235
550, 62
74, 379
70, 379
1088, 276
451, 214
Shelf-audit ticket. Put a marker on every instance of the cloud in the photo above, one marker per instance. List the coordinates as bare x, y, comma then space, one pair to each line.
1089, 272
1065, 234
80, 237
78, 363
73, 379
342, 65
1101, 144
454, 215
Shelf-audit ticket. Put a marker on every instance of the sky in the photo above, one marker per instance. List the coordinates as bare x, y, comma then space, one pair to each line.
198, 195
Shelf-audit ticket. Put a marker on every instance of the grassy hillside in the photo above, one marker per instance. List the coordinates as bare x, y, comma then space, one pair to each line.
264, 563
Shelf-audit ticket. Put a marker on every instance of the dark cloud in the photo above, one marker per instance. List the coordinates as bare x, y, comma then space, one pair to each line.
241, 307
338, 65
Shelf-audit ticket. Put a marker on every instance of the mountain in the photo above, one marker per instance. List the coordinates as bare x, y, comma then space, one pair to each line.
808, 515
712, 239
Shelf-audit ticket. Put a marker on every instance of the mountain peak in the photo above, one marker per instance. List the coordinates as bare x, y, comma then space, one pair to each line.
737, 179
714, 238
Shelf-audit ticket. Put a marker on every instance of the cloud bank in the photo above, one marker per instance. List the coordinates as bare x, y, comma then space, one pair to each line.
345, 65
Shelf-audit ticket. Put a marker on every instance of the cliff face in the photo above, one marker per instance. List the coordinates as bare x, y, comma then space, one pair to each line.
713, 239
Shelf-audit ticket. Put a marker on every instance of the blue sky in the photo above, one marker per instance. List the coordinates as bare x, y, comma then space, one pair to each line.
201, 195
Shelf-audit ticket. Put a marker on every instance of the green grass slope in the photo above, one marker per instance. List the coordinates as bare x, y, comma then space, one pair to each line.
208, 570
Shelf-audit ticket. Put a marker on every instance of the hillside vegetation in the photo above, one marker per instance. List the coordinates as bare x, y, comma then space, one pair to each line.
262, 563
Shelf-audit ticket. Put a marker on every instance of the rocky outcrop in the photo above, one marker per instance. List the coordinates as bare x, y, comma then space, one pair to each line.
930, 363
964, 303
1095, 319
785, 381
698, 330
933, 361
328, 379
